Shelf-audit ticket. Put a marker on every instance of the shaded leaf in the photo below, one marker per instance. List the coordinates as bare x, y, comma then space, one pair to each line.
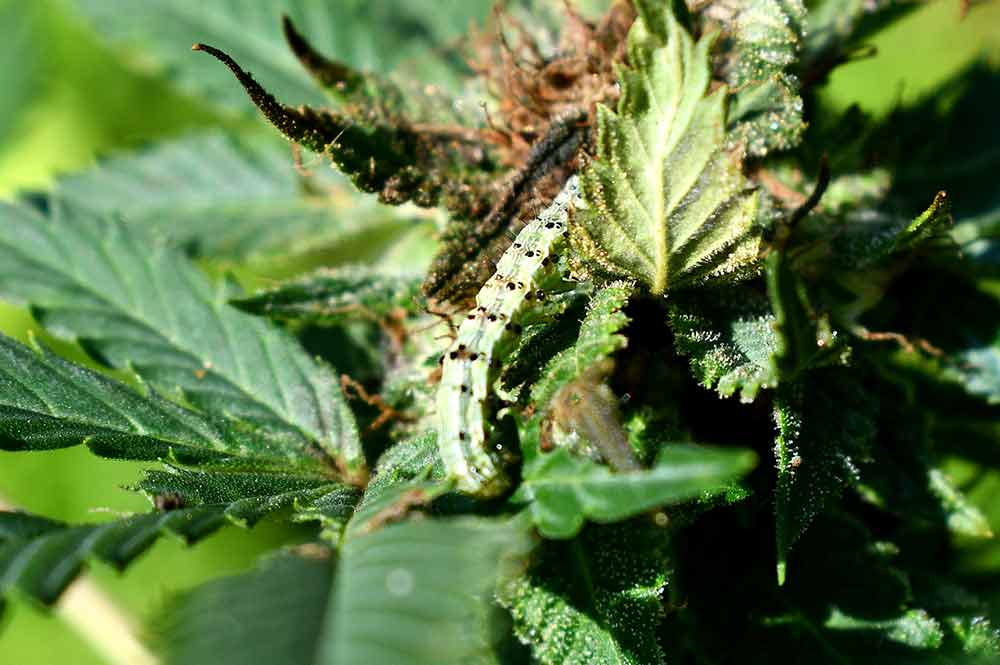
826, 426
730, 337
562, 491
612, 619
668, 205
81, 273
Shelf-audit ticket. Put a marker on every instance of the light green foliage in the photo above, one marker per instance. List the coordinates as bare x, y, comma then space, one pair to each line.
19, 82
611, 618
172, 327
379, 37
330, 297
760, 44
273, 615
215, 196
730, 339
562, 490
668, 205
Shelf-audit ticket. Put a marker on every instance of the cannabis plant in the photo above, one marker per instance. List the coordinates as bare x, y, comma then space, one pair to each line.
590, 334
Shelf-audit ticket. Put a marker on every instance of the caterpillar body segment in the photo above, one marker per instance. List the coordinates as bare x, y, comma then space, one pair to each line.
523, 275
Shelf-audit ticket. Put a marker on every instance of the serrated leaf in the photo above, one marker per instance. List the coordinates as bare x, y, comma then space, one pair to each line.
249, 496
730, 338
220, 197
614, 618
47, 402
825, 428
419, 592
599, 337
271, 615
667, 205
331, 297
383, 37
410, 474
562, 491
760, 45
135, 303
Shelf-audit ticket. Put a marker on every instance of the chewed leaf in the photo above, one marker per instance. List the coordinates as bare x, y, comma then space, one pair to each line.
668, 205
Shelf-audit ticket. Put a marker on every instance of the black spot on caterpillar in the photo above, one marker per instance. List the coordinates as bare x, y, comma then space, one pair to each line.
464, 394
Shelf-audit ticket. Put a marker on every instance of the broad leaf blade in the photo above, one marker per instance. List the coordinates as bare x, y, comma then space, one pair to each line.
381, 37
562, 491
271, 615
47, 402
134, 302
219, 197
419, 592
668, 205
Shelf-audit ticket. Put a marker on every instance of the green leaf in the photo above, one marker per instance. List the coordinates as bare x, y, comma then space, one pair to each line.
332, 297
382, 37
408, 475
248, 496
135, 303
595, 600
47, 402
272, 615
419, 592
667, 205
562, 490
759, 48
729, 336
599, 337
826, 425
223, 198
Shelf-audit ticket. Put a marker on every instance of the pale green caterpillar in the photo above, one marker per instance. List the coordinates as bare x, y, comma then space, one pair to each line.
522, 274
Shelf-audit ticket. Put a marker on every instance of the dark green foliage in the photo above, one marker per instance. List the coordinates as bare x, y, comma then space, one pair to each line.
854, 314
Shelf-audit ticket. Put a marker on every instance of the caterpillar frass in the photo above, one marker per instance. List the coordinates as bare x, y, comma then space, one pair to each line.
523, 274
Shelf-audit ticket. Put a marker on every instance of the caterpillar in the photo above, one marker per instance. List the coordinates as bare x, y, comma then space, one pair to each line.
524, 271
